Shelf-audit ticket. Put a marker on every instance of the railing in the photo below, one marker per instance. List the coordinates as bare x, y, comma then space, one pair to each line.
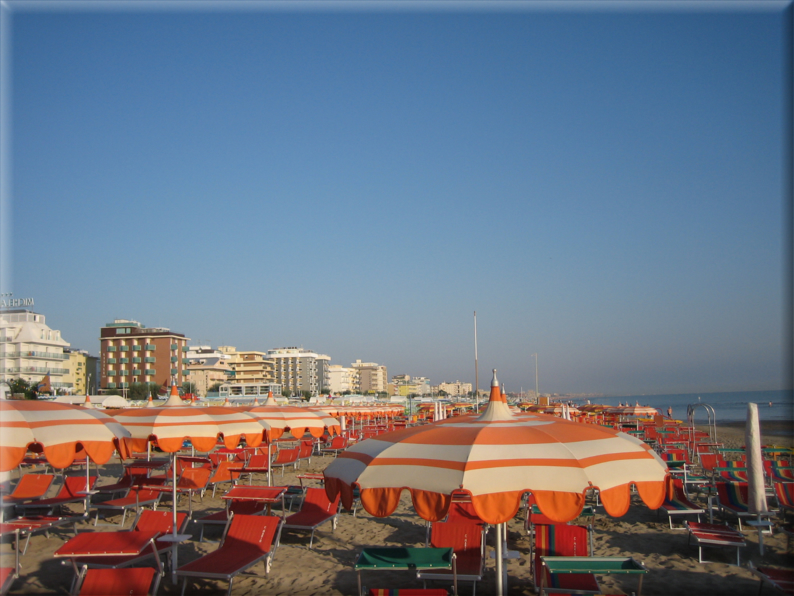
36, 369
33, 354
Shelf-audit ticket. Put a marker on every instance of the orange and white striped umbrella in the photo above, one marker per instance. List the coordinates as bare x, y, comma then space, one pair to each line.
636, 410
58, 431
497, 457
297, 420
172, 423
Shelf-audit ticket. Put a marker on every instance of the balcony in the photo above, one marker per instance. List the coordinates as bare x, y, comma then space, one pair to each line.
136, 359
149, 347
111, 348
124, 360
45, 355
149, 359
34, 369
111, 361
148, 371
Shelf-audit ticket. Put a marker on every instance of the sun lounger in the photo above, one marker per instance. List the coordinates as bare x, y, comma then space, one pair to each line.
560, 567
562, 540
247, 540
467, 541
129, 581
286, 457
305, 451
315, 511
7, 577
136, 498
147, 522
732, 497
679, 504
30, 488
714, 535
33, 524
73, 490
223, 474
781, 579
256, 464
408, 559
221, 518
336, 445
784, 491
729, 474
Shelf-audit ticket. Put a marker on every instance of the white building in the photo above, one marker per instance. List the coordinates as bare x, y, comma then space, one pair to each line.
455, 389
372, 377
30, 350
298, 370
341, 378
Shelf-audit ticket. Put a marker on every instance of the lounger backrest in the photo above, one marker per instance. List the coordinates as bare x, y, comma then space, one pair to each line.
287, 456
72, 485
143, 495
159, 521
461, 537
32, 486
306, 448
130, 581
711, 460
194, 478
222, 473
316, 501
338, 443
257, 460
561, 540
732, 493
217, 459
785, 493
251, 532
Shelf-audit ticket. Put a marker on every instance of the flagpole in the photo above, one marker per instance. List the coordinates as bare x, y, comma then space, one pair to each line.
476, 369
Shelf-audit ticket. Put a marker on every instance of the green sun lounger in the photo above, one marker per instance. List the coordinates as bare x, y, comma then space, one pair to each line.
405, 558
594, 565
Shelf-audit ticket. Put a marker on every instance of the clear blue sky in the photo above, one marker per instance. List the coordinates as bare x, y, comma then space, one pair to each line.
603, 186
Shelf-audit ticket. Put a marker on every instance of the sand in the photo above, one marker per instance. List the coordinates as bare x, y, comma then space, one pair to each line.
328, 568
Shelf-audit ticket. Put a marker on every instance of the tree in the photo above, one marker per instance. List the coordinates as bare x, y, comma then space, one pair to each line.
442, 393
286, 393
215, 387
306, 395
23, 386
189, 387
138, 391
154, 390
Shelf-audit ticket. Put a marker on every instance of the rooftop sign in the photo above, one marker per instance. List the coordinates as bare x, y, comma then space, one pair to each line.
7, 302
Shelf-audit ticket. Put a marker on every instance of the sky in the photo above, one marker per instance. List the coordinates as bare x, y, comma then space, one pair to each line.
602, 183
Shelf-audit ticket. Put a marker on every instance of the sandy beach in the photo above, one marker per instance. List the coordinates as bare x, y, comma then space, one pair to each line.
328, 568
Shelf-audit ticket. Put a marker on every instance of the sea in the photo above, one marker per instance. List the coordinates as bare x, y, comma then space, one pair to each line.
728, 406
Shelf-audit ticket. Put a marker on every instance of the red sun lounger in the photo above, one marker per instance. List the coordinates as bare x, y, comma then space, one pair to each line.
467, 541
247, 540
562, 540
31, 487
221, 518
782, 579
130, 581
315, 511
73, 491
7, 577
715, 535
137, 498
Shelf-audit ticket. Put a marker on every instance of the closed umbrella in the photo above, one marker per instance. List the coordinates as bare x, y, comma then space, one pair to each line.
496, 457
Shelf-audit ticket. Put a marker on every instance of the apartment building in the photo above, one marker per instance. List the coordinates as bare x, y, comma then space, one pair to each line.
206, 372
82, 373
372, 377
298, 370
342, 378
249, 366
405, 385
134, 353
30, 350
455, 389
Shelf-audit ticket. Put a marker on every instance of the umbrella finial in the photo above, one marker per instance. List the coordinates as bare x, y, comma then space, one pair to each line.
497, 407
271, 401
87, 403
173, 399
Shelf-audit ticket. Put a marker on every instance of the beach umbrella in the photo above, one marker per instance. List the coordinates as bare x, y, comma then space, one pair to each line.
170, 425
496, 457
755, 463
294, 419
59, 431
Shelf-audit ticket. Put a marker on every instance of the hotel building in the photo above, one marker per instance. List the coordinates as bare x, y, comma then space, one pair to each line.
132, 353
372, 377
248, 366
30, 350
298, 370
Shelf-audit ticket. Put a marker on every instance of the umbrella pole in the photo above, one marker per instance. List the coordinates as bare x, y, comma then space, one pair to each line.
173, 530
499, 561
269, 477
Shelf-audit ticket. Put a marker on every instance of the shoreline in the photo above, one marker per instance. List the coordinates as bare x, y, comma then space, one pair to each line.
773, 432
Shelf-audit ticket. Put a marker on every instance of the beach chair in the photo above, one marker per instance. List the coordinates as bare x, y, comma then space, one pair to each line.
679, 504
461, 510
732, 499
467, 541
709, 461
784, 491
315, 511
246, 540
137, 498
147, 522
286, 457
41, 523
256, 464
562, 540
779, 578
122, 486
73, 490
781, 474
129, 581
714, 535
336, 445
221, 518
729, 473
30, 488
305, 451
223, 473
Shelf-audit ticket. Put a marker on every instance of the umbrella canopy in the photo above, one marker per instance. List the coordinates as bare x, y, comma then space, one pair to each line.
59, 431
297, 420
497, 457
635, 410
